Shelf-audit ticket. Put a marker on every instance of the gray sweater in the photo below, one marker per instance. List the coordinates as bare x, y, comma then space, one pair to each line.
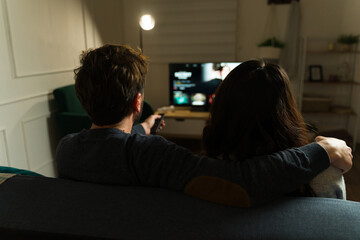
110, 156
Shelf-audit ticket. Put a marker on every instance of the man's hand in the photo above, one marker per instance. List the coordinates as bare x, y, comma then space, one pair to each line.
339, 153
149, 122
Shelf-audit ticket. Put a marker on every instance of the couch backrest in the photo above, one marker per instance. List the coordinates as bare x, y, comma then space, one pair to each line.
67, 101
49, 207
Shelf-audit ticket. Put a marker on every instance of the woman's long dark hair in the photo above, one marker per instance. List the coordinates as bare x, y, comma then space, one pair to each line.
254, 113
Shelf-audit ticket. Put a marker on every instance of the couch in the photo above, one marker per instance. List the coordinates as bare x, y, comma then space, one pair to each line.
51, 208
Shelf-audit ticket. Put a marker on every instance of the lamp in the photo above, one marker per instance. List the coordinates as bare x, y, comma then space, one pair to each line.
147, 22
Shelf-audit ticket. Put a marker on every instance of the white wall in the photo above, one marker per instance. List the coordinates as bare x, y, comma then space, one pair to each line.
40, 43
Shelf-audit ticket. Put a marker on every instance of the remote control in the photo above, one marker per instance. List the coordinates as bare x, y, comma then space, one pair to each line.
157, 124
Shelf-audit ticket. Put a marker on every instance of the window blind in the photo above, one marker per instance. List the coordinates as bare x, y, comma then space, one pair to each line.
195, 31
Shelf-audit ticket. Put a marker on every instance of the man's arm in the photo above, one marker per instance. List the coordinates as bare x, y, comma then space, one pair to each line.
138, 128
261, 178
339, 153
160, 163
149, 122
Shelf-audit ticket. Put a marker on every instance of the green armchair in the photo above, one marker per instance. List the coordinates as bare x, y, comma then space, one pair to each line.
70, 115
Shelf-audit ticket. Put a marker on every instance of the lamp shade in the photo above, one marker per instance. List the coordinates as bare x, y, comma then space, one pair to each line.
147, 22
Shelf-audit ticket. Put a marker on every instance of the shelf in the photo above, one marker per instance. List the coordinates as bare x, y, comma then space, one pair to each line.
331, 52
314, 51
339, 113
331, 83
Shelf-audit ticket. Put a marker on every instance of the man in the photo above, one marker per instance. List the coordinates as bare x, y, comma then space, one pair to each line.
110, 86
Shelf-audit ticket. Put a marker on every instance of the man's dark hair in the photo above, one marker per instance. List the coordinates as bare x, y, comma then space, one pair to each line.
108, 80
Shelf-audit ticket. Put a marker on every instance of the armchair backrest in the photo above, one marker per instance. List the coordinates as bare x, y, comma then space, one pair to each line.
67, 101
71, 117
146, 111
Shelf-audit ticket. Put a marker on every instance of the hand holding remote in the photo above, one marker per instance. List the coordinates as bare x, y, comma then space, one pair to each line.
157, 124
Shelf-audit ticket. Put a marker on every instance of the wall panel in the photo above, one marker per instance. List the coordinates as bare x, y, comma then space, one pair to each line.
4, 152
37, 142
46, 35
30, 136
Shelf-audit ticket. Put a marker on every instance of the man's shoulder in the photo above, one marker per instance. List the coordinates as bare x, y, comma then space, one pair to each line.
109, 135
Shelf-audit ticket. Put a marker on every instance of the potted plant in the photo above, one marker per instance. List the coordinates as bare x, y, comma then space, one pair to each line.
348, 42
271, 48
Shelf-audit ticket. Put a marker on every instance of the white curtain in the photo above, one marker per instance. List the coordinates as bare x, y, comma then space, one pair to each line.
290, 57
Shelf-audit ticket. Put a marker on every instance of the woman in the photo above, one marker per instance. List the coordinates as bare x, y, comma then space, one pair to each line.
254, 113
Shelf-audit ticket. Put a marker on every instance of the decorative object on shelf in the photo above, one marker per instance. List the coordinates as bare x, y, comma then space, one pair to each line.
344, 72
333, 78
348, 42
271, 48
331, 46
315, 73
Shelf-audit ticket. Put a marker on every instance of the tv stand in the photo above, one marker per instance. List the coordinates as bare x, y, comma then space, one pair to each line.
199, 109
184, 123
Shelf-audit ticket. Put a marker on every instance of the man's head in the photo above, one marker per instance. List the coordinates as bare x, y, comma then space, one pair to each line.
109, 81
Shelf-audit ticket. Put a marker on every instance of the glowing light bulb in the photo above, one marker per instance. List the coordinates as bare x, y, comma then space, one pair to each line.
147, 22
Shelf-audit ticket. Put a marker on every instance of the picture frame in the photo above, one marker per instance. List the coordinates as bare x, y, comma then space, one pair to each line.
315, 73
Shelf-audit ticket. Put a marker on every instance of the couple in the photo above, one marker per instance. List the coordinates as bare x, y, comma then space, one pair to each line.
110, 86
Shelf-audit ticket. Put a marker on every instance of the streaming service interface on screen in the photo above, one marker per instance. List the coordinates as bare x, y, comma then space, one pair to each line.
194, 84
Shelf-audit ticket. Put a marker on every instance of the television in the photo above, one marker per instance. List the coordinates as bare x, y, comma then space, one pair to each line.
194, 84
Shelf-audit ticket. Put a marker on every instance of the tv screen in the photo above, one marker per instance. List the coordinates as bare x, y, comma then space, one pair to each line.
194, 84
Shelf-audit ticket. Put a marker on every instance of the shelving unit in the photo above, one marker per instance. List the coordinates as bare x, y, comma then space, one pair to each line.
332, 103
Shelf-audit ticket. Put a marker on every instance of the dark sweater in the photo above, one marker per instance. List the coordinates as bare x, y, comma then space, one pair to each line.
110, 156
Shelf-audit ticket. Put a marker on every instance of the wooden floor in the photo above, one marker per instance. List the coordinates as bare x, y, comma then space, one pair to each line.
352, 178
